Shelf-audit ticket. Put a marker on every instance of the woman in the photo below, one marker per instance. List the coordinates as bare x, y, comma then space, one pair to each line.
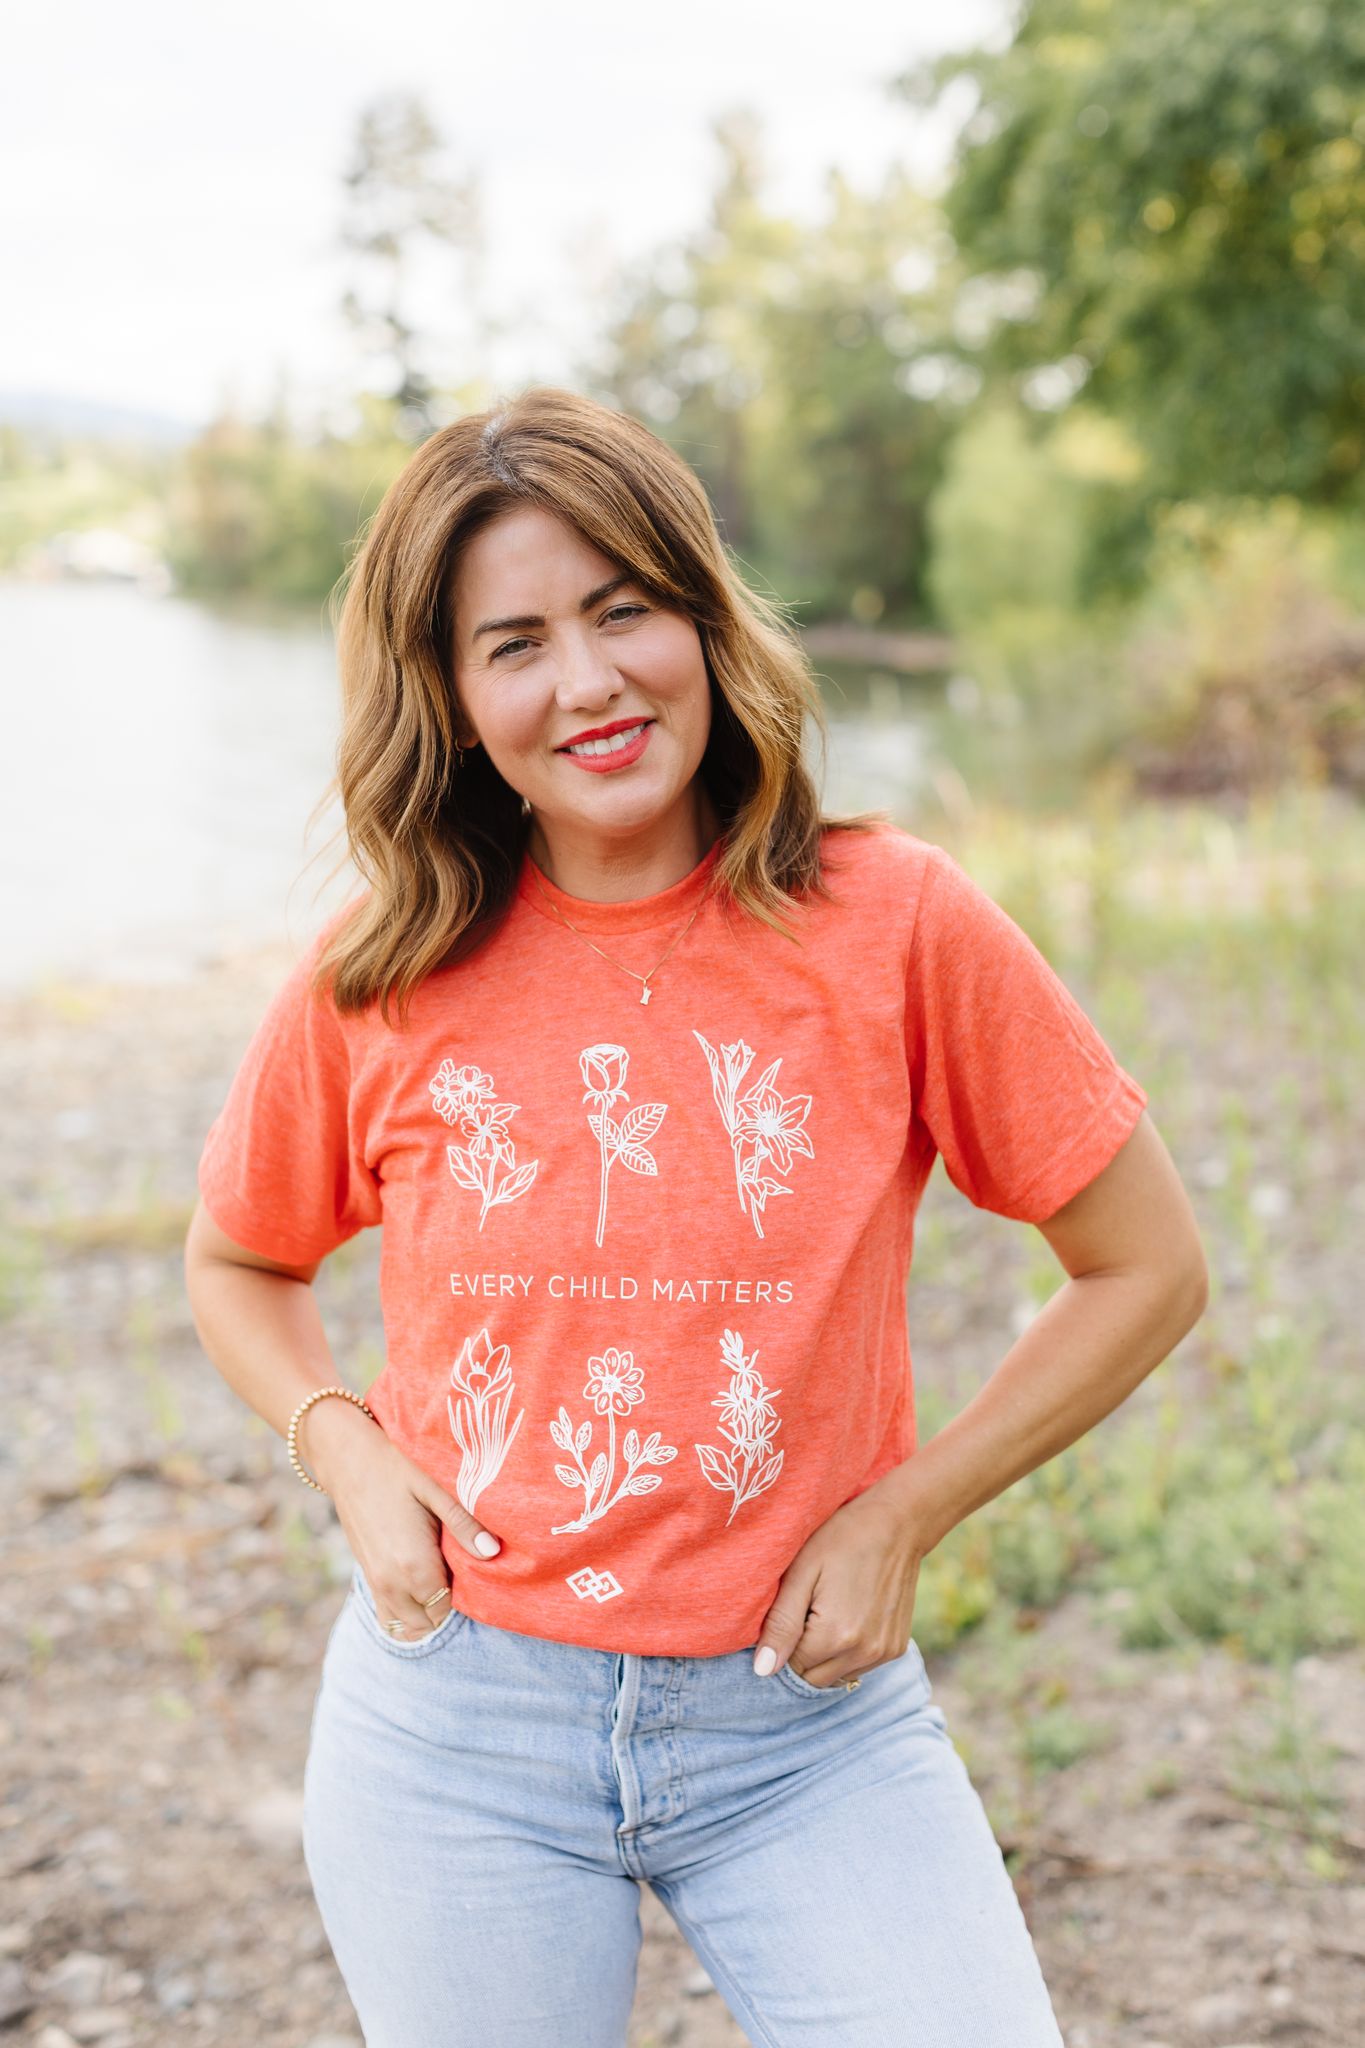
643, 1063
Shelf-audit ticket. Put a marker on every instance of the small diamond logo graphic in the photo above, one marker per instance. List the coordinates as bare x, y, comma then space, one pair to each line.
589, 1583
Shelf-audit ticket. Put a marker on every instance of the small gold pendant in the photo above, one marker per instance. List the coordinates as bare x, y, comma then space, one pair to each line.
644, 992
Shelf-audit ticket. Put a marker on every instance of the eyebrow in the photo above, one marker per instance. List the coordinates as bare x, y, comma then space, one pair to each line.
585, 604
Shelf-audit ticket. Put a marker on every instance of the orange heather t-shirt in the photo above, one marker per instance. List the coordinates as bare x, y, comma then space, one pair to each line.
644, 1265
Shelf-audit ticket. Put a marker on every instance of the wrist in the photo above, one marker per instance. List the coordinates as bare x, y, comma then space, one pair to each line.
330, 1437
920, 1523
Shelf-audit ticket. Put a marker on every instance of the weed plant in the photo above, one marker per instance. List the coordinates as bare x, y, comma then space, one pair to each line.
1224, 1501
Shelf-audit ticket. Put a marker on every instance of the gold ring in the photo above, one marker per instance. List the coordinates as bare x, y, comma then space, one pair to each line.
395, 1628
442, 1595
852, 1684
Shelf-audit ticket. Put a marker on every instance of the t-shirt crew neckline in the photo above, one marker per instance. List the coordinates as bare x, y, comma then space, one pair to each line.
637, 914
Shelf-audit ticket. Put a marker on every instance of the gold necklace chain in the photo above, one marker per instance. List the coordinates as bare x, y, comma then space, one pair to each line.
643, 979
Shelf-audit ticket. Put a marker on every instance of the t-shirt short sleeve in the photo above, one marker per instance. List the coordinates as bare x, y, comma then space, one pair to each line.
282, 1169
1010, 1080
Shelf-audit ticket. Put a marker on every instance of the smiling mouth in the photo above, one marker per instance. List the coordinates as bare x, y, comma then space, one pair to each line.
617, 744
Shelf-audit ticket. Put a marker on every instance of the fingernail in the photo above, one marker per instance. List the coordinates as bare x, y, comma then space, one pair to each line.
765, 1660
486, 1545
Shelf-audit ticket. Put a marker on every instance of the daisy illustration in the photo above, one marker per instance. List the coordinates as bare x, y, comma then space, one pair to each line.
615, 1386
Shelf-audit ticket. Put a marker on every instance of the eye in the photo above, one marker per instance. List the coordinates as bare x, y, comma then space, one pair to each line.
511, 646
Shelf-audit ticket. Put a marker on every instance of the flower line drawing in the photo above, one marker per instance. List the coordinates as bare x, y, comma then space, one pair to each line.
749, 1424
465, 1095
482, 1377
603, 1068
760, 1123
615, 1385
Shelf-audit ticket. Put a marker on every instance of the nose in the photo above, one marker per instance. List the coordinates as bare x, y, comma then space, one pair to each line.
587, 680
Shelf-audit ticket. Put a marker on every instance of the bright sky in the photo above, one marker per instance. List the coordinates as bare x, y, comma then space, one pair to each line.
170, 175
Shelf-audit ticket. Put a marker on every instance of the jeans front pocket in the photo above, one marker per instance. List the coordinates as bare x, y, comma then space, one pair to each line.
362, 1600
803, 1687
908, 1670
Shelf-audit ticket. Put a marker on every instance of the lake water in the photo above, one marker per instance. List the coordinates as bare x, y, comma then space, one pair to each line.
161, 762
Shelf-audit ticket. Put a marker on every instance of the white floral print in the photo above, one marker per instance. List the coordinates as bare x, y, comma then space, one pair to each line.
482, 1377
749, 1424
761, 1124
603, 1068
615, 1386
466, 1095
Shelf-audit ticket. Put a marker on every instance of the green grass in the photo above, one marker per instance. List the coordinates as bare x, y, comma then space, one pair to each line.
1224, 1502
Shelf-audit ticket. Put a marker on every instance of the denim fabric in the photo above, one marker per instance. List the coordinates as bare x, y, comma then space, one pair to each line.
481, 1807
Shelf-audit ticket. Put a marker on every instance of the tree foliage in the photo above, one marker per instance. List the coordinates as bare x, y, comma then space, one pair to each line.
1166, 203
400, 202
780, 358
254, 508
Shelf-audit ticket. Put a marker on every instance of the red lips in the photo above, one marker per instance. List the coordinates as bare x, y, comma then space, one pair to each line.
602, 732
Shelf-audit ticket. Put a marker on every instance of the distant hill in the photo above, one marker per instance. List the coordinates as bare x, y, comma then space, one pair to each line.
58, 413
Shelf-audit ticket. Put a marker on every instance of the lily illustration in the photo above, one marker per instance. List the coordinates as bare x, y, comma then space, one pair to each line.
761, 1124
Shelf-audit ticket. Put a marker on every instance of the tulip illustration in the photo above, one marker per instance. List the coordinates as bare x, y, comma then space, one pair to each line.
482, 1377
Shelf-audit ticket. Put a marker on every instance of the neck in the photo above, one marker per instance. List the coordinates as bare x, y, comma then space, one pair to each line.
619, 867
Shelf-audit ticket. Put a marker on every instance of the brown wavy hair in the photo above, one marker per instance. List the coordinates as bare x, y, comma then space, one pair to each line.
441, 841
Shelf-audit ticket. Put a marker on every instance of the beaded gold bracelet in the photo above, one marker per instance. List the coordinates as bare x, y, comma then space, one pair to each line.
297, 1417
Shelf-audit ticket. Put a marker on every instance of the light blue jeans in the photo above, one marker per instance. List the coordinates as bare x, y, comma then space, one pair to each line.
481, 1807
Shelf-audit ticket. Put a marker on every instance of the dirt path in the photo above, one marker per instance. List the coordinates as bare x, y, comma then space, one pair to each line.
170, 1585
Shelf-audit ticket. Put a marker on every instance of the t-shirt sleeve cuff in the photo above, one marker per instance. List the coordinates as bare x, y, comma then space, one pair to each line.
1088, 1153
253, 1232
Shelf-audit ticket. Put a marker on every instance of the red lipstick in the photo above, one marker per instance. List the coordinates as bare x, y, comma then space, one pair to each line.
601, 732
614, 759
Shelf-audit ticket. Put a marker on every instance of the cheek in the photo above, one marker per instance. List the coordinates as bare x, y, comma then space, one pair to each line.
509, 720
679, 674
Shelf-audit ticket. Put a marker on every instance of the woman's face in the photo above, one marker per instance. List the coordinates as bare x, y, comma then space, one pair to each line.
554, 643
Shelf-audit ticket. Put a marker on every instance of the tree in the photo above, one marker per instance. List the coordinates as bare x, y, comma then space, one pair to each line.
1164, 204
780, 359
252, 508
398, 199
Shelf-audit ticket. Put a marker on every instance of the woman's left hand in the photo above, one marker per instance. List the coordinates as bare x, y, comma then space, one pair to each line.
846, 1601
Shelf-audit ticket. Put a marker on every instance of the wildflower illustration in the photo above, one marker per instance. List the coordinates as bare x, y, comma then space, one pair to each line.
465, 1096
760, 1123
615, 1386
482, 1377
749, 1424
603, 1068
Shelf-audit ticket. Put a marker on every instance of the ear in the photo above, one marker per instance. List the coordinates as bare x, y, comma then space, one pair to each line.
465, 735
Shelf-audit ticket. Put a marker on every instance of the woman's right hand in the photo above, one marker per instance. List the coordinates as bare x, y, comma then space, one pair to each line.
391, 1512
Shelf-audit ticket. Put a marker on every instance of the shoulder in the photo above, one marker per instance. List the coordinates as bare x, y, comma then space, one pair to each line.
306, 995
885, 867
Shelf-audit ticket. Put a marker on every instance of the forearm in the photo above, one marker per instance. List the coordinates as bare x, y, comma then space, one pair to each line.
264, 1333
1082, 1355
